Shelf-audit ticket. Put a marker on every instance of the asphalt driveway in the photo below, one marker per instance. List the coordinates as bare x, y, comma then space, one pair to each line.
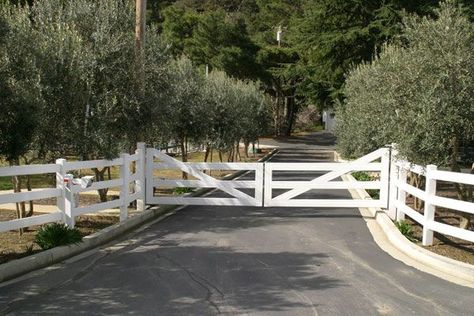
241, 261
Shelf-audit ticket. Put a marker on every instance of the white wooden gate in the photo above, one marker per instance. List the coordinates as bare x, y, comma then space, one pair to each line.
329, 180
202, 180
264, 185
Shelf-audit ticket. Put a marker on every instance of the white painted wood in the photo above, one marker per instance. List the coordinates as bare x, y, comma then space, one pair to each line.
69, 206
259, 184
208, 180
456, 177
61, 199
453, 204
98, 185
249, 184
136, 155
268, 184
452, 231
133, 197
323, 166
29, 195
134, 177
401, 198
98, 207
28, 170
30, 221
149, 188
393, 190
324, 203
429, 211
203, 201
89, 164
168, 164
384, 177
141, 182
328, 185
405, 209
411, 167
124, 189
345, 168
407, 188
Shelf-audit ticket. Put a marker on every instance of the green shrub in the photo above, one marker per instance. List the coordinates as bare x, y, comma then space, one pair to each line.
182, 190
364, 176
53, 235
405, 228
361, 176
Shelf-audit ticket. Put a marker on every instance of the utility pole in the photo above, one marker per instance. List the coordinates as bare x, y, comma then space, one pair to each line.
140, 25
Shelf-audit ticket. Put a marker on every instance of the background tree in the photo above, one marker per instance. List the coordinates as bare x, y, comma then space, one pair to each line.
419, 93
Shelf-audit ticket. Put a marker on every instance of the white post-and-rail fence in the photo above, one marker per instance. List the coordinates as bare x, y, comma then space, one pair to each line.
391, 183
67, 209
400, 188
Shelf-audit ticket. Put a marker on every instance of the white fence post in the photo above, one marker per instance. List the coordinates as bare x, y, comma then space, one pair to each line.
61, 200
393, 189
429, 211
140, 185
125, 189
259, 172
66, 202
402, 178
384, 178
268, 175
150, 156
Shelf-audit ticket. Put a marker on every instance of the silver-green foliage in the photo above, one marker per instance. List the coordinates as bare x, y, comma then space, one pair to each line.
418, 93
93, 96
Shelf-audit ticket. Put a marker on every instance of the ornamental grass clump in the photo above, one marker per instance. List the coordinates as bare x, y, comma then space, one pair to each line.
54, 235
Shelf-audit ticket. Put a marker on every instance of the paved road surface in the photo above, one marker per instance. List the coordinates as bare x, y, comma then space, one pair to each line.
242, 261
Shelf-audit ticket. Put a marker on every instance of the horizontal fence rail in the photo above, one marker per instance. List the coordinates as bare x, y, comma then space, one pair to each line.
131, 189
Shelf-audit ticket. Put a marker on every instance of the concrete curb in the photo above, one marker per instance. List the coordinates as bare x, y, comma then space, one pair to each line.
443, 267
45, 258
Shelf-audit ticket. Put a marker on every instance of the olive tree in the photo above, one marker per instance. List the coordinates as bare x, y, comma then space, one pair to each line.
419, 93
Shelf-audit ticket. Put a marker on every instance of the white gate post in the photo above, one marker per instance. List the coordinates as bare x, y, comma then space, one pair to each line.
267, 193
259, 172
393, 189
65, 202
150, 155
125, 188
384, 178
402, 178
140, 182
429, 211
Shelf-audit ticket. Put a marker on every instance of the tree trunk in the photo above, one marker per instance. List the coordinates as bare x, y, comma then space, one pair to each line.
220, 155
237, 152
206, 154
99, 176
28, 187
20, 207
184, 155
461, 189
246, 144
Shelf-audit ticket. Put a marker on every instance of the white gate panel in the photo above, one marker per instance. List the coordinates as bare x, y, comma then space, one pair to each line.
326, 181
203, 181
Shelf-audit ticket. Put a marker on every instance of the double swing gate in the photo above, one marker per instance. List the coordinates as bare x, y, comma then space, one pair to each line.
268, 184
